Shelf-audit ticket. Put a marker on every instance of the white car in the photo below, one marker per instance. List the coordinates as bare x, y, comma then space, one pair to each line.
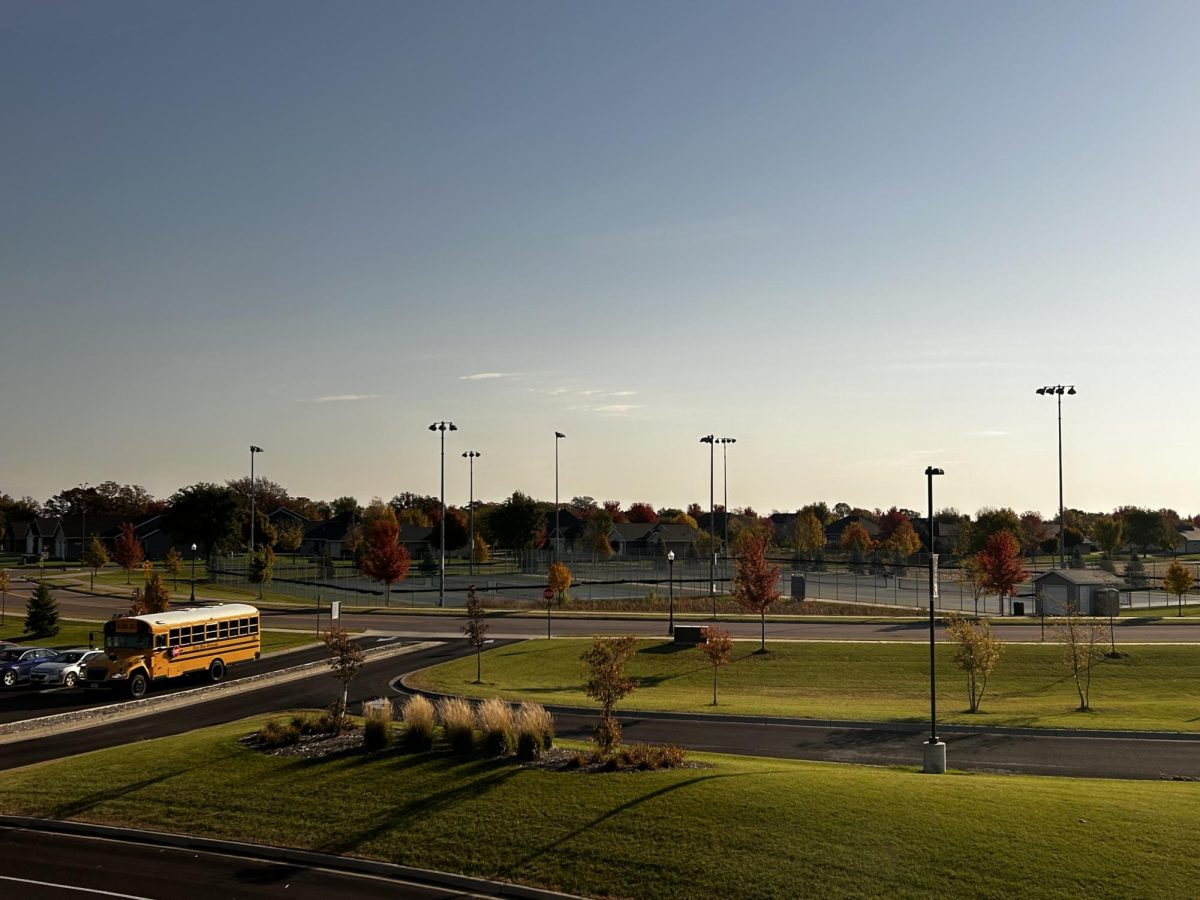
66, 669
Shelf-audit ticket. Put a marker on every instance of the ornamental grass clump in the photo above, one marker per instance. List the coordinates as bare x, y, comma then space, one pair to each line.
418, 724
277, 734
377, 725
534, 729
496, 724
458, 723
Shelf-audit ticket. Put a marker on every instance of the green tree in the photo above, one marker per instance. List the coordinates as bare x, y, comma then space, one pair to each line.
291, 536
1135, 570
95, 557
1143, 527
516, 523
128, 551
41, 613
209, 515
987, 522
262, 567
604, 664
476, 629
173, 565
976, 652
1109, 534
1177, 581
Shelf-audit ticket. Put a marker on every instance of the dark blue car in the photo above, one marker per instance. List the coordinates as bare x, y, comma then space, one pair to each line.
17, 662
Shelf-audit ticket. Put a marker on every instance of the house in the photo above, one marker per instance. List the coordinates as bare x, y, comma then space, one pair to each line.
674, 537
1189, 540
566, 527
43, 535
630, 537
328, 537
416, 539
1062, 590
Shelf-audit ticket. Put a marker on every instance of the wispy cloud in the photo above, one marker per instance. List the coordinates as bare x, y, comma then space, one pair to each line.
486, 376
608, 409
989, 433
342, 398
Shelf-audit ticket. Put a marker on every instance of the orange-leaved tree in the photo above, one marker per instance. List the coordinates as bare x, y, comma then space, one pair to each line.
384, 558
1177, 581
756, 584
717, 646
559, 581
1000, 563
128, 551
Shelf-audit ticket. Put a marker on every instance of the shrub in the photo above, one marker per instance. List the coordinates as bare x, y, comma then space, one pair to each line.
534, 729
458, 723
418, 724
496, 723
325, 722
647, 757
377, 727
275, 734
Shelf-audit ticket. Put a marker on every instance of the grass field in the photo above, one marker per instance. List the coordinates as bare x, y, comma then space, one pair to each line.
1154, 687
75, 634
738, 828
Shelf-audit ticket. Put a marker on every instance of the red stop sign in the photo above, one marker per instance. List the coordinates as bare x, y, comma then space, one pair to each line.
547, 594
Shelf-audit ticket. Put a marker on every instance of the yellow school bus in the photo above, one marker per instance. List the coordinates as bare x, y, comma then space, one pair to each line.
141, 650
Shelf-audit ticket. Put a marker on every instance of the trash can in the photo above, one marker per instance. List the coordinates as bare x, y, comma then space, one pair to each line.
1018, 607
797, 587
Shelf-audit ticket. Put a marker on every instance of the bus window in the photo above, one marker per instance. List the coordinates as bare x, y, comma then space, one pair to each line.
160, 640
223, 630
210, 632
174, 637
254, 626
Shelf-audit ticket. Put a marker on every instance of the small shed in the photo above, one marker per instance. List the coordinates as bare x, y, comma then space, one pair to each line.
1062, 590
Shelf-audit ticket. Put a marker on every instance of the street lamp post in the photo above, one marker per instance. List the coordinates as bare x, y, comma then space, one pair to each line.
193, 573
471, 456
725, 442
712, 537
671, 592
1058, 390
443, 427
935, 749
253, 450
558, 436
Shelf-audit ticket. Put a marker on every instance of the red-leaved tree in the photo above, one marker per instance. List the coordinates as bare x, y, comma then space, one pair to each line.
756, 584
384, 559
1000, 563
128, 550
889, 522
642, 513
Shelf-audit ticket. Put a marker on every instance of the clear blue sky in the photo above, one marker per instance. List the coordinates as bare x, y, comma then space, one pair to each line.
856, 237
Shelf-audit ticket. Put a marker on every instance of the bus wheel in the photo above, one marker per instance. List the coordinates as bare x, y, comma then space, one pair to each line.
138, 685
216, 671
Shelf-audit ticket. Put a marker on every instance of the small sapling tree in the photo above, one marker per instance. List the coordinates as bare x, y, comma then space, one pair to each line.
718, 647
262, 567
559, 581
476, 629
604, 664
128, 551
346, 660
756, 584
173, 565
156, 598
94, 557
1083, 647
1000, 563
385, 558
1177, 581
976, 652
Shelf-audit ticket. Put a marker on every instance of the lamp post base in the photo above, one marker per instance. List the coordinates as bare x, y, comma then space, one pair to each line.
935, 758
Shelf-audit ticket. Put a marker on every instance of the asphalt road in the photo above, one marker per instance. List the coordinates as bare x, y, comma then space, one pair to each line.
45, 866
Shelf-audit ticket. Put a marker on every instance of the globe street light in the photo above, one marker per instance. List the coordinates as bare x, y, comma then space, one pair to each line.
443, 427
712, 538
193, 573
558, 436
1058, 390
935, 750
471, 456
671, 592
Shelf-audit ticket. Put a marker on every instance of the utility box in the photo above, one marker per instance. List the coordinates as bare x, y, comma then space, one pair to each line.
689, 634
1106, 602
1018, 607
798, 587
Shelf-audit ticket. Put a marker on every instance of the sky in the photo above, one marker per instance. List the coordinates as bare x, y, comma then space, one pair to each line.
856, 237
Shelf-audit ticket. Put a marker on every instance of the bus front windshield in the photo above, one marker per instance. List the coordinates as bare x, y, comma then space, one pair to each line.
127, 642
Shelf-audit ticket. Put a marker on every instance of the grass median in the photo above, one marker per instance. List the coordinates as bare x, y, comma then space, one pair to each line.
737, 828
1151, 687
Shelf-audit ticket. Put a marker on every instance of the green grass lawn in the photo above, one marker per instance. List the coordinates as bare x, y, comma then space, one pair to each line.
1155, 687
75, 634
738, 828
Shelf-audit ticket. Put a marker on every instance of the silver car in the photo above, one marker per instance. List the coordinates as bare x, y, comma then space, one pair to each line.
65, 670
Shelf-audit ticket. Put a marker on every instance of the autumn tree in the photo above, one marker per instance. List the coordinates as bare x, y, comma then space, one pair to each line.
604, 664
95, 557
642, 513
903, 542
718, 647
595, 536
41, 612
291, 536
481, 553
888, 523
686, 519
976, 579
1109, 534
346, 660
1033, 532
384, 558
559, 581
415, 516
1000, 562
613, 508
128, 551
1082, 645
856, 538
756, 583
476, 629
173, 565
456, 529
976, 652
808, 535
1177, 581
155, 598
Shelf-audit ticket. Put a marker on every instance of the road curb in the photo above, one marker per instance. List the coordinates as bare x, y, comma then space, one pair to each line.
289, 855
28, 729
849, 724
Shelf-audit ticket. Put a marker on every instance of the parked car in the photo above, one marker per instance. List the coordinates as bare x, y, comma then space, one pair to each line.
17, 662
66, 670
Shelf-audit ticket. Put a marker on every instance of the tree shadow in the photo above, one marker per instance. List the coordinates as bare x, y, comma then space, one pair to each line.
74, 807
666, 649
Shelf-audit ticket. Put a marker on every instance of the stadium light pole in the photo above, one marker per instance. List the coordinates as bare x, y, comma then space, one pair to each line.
935, 749
443, 427
253, 450
1058, 390
558, 436
725, 442
712, 537
471, 456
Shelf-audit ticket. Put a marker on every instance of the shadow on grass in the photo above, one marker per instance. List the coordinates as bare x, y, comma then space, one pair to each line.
667, 648
73, 808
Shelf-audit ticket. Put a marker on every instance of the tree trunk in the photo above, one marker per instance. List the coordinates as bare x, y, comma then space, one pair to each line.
478, 664
714, 685
763, 621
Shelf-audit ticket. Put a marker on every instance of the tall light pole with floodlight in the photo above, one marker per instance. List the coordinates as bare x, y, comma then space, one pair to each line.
725, 442
1058, 390
935, 750
558, 436
443, 427
193, 573
253, 450
471, 456
712, 537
